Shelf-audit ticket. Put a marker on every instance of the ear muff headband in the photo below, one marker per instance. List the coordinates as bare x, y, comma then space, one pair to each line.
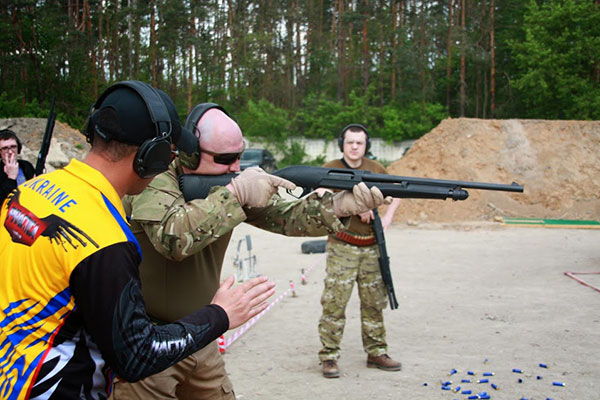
153, 155
192, 161
13, 136
343, 135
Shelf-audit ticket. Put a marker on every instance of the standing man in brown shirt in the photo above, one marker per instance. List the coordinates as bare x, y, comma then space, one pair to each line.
352, 255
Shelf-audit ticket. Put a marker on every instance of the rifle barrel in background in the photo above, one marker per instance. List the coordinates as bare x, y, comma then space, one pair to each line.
41, 158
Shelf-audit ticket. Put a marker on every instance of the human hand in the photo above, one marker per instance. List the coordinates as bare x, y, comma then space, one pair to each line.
254, 187
11, 166
361, 200
367, 217
244, 301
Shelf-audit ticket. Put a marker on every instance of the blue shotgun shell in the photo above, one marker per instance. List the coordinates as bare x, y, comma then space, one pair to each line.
558, 384
465, 381
470, 373
452, 371
518, 371
467, 391
483, 381
543, 365
488, 374
494, 386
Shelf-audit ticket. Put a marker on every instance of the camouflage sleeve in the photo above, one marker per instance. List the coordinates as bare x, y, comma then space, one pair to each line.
178, 229
309, 216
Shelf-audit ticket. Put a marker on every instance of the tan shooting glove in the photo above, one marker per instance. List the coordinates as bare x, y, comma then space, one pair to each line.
254, 187
359, 201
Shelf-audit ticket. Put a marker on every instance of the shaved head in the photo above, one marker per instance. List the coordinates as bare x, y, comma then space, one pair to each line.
219, 133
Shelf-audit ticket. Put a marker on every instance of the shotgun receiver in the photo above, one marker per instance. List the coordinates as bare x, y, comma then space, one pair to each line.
310, 178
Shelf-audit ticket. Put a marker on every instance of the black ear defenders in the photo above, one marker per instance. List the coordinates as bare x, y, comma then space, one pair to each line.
192, 161
8, 134
343, 135
153, 155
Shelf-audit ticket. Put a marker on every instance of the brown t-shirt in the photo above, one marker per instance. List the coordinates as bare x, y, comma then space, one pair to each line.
356, 226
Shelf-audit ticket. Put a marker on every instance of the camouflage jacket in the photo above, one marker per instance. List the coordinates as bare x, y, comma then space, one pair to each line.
184, 243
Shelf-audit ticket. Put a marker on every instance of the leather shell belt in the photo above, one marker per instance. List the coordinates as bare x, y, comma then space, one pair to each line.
357, 240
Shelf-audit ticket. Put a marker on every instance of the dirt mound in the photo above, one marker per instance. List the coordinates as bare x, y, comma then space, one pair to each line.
556, 161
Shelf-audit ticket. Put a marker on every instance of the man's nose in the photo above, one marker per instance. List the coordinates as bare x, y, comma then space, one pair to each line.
235, 167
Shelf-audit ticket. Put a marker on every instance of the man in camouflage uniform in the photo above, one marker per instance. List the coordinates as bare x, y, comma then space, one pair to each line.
184, 243
352, 256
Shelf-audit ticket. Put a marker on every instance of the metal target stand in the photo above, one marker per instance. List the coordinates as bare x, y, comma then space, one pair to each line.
245, 267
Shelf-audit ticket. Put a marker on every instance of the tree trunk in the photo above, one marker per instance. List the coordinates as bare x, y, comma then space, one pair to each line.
492, 62
463, 45
449, 54
365, 46
153, 42
394, 50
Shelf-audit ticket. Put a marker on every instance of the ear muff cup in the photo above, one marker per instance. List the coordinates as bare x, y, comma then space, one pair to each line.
343, 135
192, 161
153, 155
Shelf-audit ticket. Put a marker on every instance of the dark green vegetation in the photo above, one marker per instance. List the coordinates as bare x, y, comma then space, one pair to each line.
290, 67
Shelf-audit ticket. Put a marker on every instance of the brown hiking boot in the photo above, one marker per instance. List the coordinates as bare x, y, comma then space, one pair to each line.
330, 369
383, 362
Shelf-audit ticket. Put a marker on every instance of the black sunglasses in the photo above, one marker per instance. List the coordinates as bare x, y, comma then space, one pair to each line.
224, 158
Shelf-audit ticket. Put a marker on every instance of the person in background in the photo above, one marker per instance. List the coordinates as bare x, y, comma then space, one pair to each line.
71, 310
184, 242
13, 171
352, 256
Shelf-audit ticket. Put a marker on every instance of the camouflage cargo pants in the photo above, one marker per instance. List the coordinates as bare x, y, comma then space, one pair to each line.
347, 264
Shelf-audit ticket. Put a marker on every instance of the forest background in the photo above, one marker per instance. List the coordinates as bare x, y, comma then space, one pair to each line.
305, 68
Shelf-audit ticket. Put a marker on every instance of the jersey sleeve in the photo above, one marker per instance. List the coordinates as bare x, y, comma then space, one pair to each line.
107, 294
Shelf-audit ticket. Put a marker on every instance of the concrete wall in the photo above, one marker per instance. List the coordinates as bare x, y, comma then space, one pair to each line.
329, 149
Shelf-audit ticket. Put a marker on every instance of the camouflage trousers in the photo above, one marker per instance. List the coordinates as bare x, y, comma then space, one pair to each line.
347, 264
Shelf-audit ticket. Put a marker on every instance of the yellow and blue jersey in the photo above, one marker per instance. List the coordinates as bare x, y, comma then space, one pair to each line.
71, 312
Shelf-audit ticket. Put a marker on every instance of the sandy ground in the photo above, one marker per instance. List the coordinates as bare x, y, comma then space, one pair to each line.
481, 298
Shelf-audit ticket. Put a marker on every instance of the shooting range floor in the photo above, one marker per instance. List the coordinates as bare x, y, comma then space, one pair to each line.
476, 297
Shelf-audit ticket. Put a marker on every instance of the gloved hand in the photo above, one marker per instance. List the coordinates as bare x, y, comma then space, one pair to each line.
254, 187
359, 201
